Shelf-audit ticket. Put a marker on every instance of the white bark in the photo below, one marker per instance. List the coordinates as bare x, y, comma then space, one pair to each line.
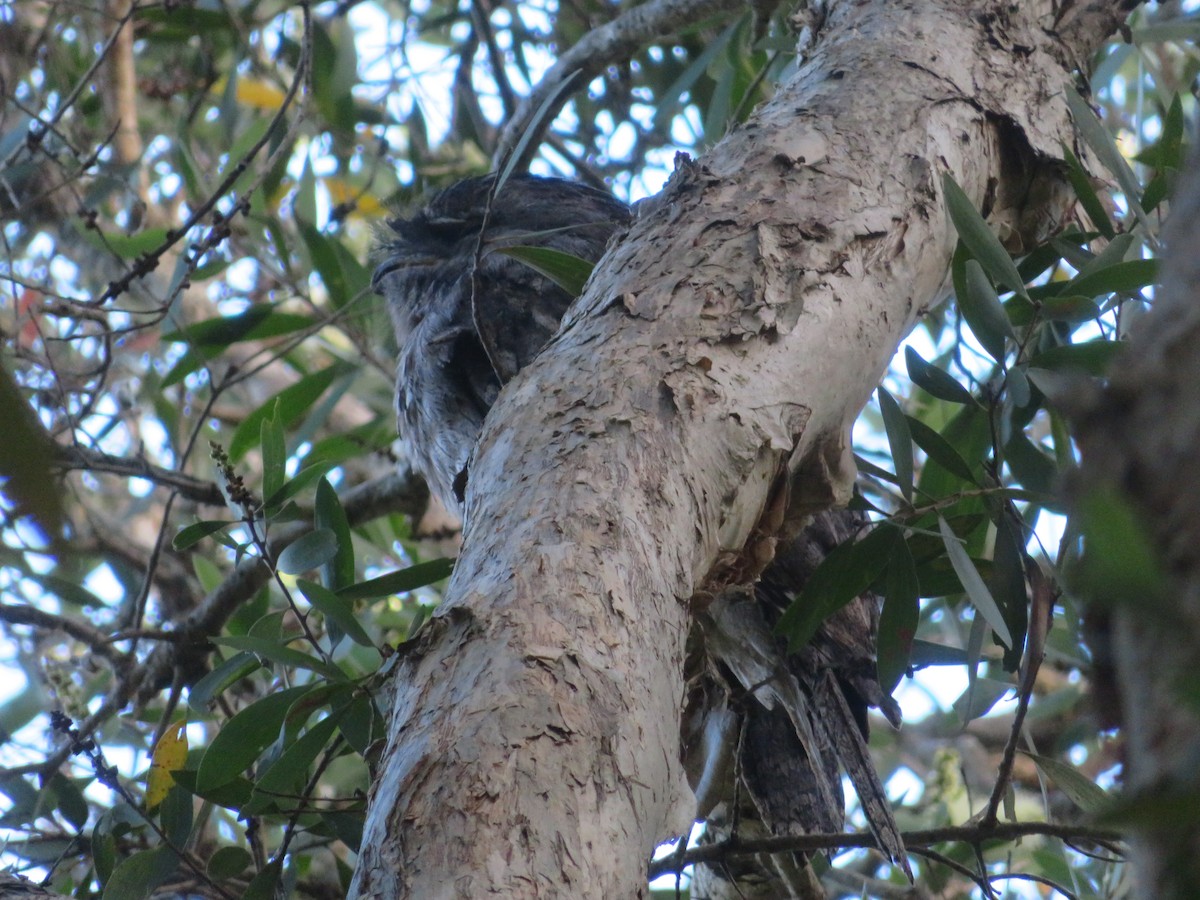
698, 394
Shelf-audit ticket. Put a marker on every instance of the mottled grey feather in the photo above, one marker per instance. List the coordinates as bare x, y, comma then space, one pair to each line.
466, 324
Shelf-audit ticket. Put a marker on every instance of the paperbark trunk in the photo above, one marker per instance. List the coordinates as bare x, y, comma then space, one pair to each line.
695, 403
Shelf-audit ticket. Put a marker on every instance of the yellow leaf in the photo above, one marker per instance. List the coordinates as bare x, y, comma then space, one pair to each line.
170, 753
253, 93
341, 193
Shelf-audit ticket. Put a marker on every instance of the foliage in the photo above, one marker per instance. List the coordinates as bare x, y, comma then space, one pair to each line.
189, 193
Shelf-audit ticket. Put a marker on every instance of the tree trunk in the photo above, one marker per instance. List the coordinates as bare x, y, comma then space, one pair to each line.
695, 404
1139, 440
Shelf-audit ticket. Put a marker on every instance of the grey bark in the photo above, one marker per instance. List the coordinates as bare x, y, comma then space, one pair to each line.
1139, 439
694, 405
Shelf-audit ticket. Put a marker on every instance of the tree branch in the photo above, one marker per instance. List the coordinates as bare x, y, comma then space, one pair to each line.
613, 42
811, 843
88, 460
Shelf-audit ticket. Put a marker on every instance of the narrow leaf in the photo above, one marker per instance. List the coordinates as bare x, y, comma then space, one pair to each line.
401, 581
289, 405
1105, 147
244, 737
846, 572
898, 622
190, 535
1081, 182
336, 608
977, 591
255, 323
933, 380
1089, 357
940, 450
979, 698
975, 234
1123, 277
896, 425
984, 312
308, 552
569, 272
338, 572
1082, 791
136, 877
274, 453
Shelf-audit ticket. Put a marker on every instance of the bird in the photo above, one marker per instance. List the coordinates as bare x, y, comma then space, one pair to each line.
467, 317
759, 720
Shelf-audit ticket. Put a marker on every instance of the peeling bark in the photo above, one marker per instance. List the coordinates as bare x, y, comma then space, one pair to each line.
694, 405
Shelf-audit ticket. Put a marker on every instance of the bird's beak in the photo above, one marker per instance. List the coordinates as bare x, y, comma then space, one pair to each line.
399, 261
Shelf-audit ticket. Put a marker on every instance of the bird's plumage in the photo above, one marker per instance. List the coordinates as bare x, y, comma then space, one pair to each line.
468, 317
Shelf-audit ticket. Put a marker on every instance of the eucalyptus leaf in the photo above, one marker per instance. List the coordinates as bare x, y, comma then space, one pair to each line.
977, 591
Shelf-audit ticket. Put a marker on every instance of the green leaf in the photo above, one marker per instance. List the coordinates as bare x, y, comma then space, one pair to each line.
193, 534
126, 246
927, 653
984, 312
289, 404
1123, 277
400, 582
68, 591
940, 450
267, 648
68, 799
1104, 145
255, 323
104, 847
230, 795
670, 101
300, 481
898, 622
979, 698
933, 380
896, 425
175, 814
1081, 790
309, 551
1007, 584
244, 737
983, 246
212, 336
977, 592
1032, 468
265, 883
846, 572
338, 572
324, 258
1070, 309
212, 685
274, 453
969, 433
1081, 182
337, 609
287, 775
569, 272
1089, 357
362, 725
25, 453
136, 877
228, 862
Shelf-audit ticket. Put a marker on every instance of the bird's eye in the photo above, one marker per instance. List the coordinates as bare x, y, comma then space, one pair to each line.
452, 226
